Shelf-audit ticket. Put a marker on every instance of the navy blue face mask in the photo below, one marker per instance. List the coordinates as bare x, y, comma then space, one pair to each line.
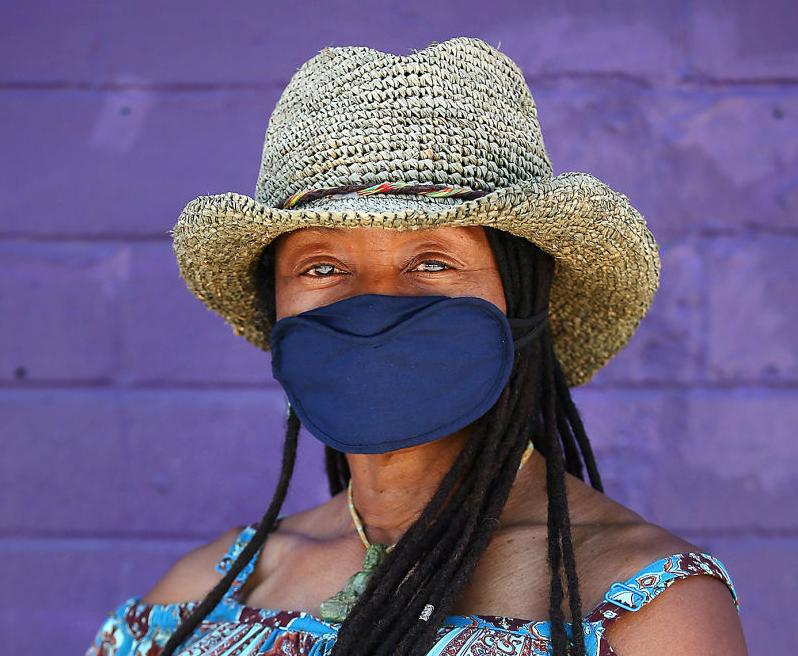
375, 373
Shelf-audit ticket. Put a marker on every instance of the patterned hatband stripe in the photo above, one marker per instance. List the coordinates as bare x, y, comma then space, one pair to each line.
431, 190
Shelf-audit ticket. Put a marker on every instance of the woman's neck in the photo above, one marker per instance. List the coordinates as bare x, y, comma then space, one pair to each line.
390, 490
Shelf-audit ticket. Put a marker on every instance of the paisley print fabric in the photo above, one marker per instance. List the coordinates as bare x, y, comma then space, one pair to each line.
135, 628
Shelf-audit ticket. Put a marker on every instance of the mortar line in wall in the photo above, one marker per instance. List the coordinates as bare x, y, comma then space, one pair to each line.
101, 539
116, 86
68, 385
89, 239
676, 386
698, 81
123, 238
686, 81
10, 539
56, 386
734, 533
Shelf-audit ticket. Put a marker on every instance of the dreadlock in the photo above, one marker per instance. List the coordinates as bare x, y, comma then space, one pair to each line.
436, 556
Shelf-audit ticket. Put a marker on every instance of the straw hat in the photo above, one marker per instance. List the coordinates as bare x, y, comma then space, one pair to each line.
446, 136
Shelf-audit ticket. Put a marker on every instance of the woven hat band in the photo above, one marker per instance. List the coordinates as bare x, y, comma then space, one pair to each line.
431, 190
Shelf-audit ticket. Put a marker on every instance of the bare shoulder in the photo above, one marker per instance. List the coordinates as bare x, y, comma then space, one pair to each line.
694, 615
193, 575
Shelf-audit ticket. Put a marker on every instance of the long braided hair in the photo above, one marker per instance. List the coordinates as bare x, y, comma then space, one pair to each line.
436, 556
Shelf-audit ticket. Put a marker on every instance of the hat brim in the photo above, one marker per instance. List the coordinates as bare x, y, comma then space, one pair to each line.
606, 273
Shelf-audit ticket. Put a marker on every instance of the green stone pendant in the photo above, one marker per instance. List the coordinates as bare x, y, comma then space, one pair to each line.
337, 607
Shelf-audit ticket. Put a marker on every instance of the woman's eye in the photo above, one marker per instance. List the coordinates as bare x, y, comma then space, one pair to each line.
323, 269
434, 263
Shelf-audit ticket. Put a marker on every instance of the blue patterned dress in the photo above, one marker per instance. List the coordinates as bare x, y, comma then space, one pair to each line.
140, 629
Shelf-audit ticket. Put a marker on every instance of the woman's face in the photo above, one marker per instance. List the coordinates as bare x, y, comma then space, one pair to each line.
317, 266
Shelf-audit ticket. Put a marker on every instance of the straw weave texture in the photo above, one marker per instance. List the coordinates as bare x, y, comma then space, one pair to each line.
457, 112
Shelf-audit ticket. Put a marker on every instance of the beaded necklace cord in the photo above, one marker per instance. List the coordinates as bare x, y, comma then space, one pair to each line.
337, 607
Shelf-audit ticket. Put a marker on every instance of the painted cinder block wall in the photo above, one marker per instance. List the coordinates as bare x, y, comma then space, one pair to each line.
135, 426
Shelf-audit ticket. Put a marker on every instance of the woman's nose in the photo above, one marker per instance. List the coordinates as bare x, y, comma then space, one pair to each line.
381, 280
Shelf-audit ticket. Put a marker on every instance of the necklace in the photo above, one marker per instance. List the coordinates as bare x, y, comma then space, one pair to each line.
337, 607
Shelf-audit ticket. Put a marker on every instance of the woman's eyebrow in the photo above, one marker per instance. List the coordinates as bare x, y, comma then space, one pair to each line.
317, 237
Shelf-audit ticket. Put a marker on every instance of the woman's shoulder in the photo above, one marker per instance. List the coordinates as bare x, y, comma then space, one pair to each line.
623, 551
658, 596
683, 602
609, 533
193, 574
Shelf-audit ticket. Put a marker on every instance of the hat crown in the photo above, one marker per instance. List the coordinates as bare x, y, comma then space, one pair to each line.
457, 112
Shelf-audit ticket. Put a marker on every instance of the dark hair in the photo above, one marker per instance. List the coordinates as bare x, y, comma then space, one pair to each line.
438, 553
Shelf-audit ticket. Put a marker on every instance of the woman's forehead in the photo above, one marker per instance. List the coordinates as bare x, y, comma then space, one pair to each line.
474, 235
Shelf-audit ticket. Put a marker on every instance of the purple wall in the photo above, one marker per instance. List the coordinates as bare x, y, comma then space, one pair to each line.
135, 425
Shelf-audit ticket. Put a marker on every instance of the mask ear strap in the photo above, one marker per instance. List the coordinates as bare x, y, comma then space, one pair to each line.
529, 327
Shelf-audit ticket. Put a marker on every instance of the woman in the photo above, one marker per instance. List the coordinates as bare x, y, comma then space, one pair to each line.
429, 293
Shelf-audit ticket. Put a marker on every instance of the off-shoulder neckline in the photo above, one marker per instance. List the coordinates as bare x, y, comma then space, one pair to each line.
499, 622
